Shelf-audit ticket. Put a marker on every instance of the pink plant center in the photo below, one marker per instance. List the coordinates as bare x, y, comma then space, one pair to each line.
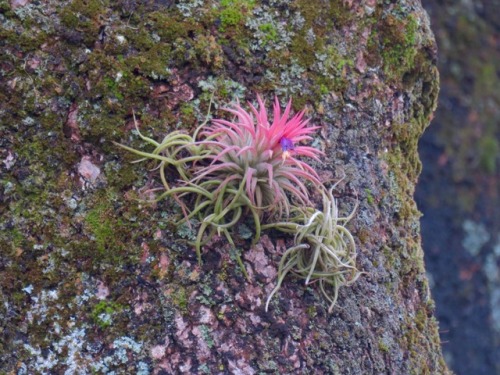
262, 155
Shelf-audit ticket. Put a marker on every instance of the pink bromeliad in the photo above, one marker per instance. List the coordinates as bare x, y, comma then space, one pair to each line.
262, 155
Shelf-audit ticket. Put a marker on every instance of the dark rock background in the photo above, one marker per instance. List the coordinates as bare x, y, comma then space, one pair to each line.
459, 189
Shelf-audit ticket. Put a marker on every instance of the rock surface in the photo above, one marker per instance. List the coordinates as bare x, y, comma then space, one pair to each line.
95, 280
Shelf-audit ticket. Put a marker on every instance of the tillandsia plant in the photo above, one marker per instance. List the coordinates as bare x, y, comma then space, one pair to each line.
238, 166
250, 165
324, 250
254, 165
261, 156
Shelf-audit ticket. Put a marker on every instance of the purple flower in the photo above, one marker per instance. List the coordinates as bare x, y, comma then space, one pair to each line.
286, 146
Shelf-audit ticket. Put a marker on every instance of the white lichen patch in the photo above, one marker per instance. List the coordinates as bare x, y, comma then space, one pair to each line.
69, 345
492, 271
124, 348
28, 289
288, 82
9, 161
190, 8
67, 350
475, 236
270, 31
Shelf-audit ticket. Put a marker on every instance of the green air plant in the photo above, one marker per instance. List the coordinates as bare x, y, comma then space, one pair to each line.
238, 167
324, 250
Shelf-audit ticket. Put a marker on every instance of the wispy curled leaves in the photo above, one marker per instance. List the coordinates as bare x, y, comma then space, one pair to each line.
324, 250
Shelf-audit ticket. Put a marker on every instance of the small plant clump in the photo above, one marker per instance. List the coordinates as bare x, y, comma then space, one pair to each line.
249, 166
324, 250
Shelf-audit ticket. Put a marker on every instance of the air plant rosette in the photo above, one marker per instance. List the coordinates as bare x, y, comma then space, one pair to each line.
251, 166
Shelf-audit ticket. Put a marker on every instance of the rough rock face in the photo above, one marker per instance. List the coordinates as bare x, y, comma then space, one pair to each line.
95, 280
